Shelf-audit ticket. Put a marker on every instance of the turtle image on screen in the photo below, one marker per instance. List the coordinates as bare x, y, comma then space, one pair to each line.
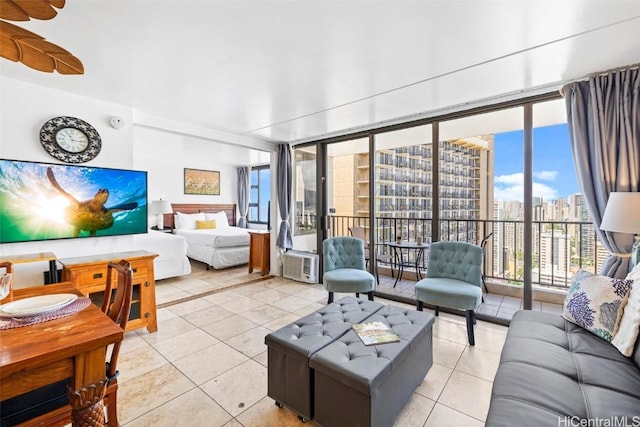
89, 215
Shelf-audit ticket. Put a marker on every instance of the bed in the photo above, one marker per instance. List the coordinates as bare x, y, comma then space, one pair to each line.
210, 233
172, 258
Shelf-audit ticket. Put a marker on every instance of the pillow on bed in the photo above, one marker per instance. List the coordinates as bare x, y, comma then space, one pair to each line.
187, 221
205, 224
219, 217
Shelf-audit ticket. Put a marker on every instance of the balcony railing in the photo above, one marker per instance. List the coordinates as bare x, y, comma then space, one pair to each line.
559, 248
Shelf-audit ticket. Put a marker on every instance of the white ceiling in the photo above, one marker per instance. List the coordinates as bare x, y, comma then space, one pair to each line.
298, 70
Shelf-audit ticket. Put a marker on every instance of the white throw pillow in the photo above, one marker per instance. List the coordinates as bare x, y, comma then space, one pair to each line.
596, 303
220, 217
187, 221
625, 338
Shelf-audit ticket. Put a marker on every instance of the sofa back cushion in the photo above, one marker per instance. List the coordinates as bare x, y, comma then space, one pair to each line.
636, 354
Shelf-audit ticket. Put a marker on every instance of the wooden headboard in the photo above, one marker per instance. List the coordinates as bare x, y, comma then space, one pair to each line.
191, 208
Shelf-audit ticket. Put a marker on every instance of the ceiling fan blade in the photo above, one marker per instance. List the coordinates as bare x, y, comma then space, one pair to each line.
20, 45
23, 10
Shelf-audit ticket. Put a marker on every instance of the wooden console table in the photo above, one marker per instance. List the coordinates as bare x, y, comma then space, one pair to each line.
259, 251
36, 257
89, 273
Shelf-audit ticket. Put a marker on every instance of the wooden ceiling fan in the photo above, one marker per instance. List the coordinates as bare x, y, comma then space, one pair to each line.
20, 45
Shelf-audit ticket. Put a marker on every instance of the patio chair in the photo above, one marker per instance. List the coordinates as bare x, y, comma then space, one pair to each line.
344, 267
454, 280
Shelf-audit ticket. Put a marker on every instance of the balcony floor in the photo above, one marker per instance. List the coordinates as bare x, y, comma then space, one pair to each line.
495, 305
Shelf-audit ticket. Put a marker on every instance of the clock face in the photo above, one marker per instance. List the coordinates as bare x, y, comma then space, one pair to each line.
70, 139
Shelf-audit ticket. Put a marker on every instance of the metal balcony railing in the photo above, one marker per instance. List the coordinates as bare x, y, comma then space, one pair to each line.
559, 249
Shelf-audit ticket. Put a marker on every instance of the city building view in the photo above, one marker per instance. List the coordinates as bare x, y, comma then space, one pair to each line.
476, 203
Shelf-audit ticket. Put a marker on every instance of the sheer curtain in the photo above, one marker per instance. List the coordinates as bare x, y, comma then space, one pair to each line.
243, 195
284, 181
603, 114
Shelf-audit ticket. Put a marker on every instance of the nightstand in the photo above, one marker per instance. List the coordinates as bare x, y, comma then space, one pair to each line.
259, 251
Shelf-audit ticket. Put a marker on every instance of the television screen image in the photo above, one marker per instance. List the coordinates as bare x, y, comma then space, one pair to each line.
42, 201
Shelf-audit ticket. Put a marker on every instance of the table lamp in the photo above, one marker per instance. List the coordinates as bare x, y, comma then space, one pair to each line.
622, 215
159, 208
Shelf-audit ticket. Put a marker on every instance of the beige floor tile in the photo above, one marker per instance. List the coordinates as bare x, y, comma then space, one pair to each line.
185, 344
266, 414
467, 394
251, 290
233, 423
189, 306
166, 329
209, 315
239, 388
446, 352
262, 358
220, 298
131, 342
489, 340
479, 363
415, 412
210, 362
194, 408
229, 327
288, 286
143, 359
442, 416
282, 321
240, 304
308, 309
452, 331
269, 295
263, 314
250, 343
313, 294
163, 314
292, 303
150, 391
434, 382
167, 293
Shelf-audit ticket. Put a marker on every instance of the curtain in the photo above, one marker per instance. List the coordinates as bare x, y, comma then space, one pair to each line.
243, 196
284, 182
603, 115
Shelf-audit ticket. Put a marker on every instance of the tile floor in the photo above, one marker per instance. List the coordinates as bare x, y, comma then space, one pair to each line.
207, 364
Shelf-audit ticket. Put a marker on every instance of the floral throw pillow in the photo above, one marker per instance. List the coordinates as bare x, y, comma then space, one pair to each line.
596, 303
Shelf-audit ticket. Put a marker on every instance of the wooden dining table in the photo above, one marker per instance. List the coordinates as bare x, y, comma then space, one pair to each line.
69, 347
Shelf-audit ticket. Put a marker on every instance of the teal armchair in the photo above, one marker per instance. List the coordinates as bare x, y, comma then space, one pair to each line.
454, 280
344, 267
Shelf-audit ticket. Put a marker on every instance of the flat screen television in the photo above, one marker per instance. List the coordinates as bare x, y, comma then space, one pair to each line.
42, 201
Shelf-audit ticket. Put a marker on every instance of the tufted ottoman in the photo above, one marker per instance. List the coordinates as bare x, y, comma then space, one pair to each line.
290, 380
358, 385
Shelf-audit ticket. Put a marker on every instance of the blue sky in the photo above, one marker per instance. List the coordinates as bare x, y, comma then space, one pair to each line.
553, 172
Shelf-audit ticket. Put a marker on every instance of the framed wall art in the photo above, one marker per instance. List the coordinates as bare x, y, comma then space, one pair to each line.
198, 181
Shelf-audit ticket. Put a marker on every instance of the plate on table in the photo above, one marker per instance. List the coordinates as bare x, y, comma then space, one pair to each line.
36, 305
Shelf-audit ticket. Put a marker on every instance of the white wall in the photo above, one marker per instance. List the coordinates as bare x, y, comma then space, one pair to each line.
164, 154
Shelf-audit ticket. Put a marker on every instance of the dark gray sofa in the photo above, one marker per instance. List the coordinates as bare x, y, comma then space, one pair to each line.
555, 373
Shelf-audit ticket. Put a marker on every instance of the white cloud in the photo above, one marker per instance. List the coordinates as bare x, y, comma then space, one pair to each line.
546, 175
511, 187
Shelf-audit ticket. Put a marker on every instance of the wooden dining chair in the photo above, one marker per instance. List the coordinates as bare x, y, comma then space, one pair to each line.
56, 404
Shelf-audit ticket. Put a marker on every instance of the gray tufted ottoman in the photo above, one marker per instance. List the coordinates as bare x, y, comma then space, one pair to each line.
358, 385
290, 380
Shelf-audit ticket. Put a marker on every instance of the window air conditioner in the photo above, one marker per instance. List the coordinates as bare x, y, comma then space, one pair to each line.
300, 266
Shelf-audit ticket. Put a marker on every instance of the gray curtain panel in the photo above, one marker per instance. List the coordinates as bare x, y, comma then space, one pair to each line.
284, 182
243, 196
603, 115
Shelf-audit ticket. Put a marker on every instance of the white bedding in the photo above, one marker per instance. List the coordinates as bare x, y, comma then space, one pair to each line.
172, 253
217, 238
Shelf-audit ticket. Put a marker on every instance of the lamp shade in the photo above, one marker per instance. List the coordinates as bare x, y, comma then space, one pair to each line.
622, 214
159, 207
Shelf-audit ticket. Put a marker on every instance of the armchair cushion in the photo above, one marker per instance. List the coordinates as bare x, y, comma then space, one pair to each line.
456, 260
449, 293
346, 280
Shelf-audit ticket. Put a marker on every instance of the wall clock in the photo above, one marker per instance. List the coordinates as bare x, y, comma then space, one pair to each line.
70, 140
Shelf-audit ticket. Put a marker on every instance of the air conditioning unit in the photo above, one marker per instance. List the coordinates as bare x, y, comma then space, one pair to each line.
300, 266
